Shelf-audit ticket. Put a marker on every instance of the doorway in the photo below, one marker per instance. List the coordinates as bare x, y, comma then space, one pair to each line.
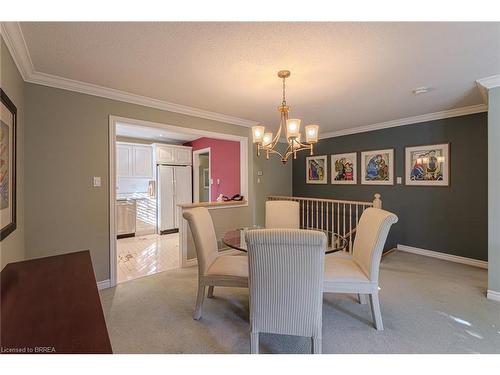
202, 177
177, 140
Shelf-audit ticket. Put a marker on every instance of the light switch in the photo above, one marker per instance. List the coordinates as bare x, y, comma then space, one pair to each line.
399, 180
96, 182
258, 180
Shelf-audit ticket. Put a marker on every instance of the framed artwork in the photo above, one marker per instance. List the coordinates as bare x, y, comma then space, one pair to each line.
316, 167
344, 169
8, 121
427, 165
377, 167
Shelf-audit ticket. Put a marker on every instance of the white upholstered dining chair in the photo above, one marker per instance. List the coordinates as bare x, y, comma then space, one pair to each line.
286, 283
213, 269
282, 214
359, 273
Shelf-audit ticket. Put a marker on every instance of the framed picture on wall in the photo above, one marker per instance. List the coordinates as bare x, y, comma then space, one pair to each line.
8, 121
344, 169
427, 165
377, 167
316, 170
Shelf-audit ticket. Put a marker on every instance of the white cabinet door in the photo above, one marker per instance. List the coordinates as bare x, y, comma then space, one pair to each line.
183, 189
124, 160
165, 155
143, 162
125, 217
183, 156
166, 197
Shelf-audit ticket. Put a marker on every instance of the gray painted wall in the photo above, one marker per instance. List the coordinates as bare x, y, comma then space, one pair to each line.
66, 143
276, 179
453, 219
12, 247
494, 189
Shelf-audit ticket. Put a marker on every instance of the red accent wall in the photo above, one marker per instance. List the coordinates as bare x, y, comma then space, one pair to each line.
224, 165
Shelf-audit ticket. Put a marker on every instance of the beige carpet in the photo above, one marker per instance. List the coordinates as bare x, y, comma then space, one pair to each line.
428, 306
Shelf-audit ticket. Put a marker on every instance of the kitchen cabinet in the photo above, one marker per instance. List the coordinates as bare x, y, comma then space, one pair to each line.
124, 159
173, 154
125, 217
134, 160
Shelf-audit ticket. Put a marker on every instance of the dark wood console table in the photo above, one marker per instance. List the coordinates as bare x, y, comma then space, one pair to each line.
51, 305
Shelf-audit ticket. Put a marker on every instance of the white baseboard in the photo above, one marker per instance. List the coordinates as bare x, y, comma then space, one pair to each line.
105, 284
190, 263
494, 296
443, 256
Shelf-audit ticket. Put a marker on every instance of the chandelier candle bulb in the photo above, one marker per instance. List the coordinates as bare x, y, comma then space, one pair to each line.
258, 133
292, 128
267, 139
312, 133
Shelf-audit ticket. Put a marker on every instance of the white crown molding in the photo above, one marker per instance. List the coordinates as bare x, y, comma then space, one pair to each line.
486, 84
409, 120
16, 44
122, 96
489, 82
14, 39
443, 256
494, 296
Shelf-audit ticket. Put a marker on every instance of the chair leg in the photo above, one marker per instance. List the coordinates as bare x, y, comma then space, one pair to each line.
377, 315
254, 342
210, 292
316, 345
362, 299
199, 302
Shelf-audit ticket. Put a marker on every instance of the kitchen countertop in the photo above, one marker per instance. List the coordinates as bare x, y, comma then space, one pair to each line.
132, 196
213, 204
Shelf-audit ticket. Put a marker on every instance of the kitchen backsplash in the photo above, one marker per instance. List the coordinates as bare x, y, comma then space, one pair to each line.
127, 185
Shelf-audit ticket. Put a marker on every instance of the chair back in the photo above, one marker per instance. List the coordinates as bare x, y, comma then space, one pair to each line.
286, 268
282, 214
205, 240
371, 234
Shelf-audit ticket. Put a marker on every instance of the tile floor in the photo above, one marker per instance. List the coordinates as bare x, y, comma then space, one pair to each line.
146, 255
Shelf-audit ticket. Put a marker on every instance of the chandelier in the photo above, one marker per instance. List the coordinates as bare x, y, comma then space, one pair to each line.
265, 141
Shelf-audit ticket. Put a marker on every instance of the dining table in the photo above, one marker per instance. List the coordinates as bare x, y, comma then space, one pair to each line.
235, 239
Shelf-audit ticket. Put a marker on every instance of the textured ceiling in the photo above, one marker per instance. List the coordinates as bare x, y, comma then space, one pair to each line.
344, 75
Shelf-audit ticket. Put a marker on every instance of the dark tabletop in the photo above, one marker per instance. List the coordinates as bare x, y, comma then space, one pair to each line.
52, 305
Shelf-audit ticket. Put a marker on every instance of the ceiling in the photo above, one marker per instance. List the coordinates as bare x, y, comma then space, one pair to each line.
152, 134
344, 75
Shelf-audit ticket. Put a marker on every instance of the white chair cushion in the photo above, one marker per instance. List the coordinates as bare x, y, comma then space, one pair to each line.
343, 270
229, 265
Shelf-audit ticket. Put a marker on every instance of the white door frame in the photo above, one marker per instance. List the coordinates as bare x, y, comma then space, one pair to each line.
113, 120
196, 176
